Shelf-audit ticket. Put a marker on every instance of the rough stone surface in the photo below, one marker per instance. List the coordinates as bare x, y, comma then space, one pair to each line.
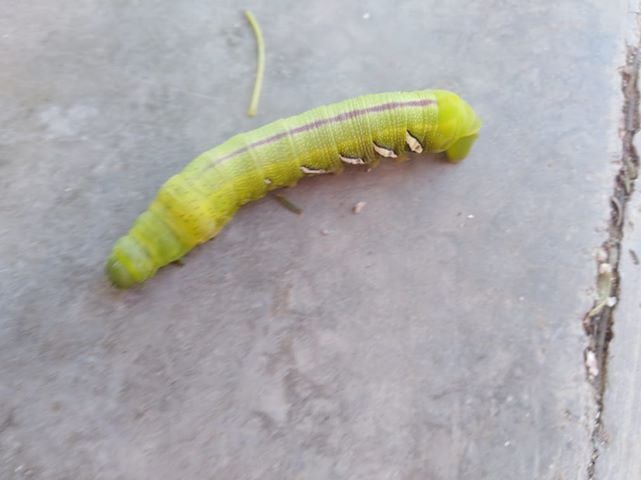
435, 335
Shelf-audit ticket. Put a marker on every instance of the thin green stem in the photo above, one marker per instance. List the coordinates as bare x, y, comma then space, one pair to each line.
260, 67
288, 204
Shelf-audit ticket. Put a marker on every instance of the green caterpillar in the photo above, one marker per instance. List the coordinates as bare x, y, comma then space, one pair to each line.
193, 206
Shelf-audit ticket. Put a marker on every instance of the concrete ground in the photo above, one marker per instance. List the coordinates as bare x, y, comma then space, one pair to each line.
436, 335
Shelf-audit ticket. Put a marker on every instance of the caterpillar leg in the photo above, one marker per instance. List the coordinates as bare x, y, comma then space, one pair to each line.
460, 149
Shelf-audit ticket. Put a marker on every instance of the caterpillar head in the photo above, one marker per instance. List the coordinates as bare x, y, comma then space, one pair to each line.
458, 125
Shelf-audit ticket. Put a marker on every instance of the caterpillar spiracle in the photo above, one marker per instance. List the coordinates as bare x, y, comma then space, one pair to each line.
194, 205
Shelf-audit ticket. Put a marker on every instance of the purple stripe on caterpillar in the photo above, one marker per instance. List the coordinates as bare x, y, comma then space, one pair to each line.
324, 121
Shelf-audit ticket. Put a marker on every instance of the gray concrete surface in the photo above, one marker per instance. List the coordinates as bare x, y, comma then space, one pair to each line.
436, 335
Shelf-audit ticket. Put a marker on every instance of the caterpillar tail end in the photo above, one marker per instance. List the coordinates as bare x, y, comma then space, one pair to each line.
128, 264
118, 275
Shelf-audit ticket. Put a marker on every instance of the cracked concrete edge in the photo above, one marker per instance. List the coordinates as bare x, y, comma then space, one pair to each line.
620, 426
599, 320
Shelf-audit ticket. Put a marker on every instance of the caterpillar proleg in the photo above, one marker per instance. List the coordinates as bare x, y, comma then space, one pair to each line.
194, 205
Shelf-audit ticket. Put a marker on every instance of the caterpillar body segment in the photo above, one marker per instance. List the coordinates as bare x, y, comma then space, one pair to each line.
193, 206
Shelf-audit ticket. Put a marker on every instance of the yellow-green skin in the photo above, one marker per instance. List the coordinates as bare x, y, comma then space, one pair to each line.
193, 206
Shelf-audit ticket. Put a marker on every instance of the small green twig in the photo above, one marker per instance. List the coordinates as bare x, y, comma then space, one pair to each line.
287, 204
260, 67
